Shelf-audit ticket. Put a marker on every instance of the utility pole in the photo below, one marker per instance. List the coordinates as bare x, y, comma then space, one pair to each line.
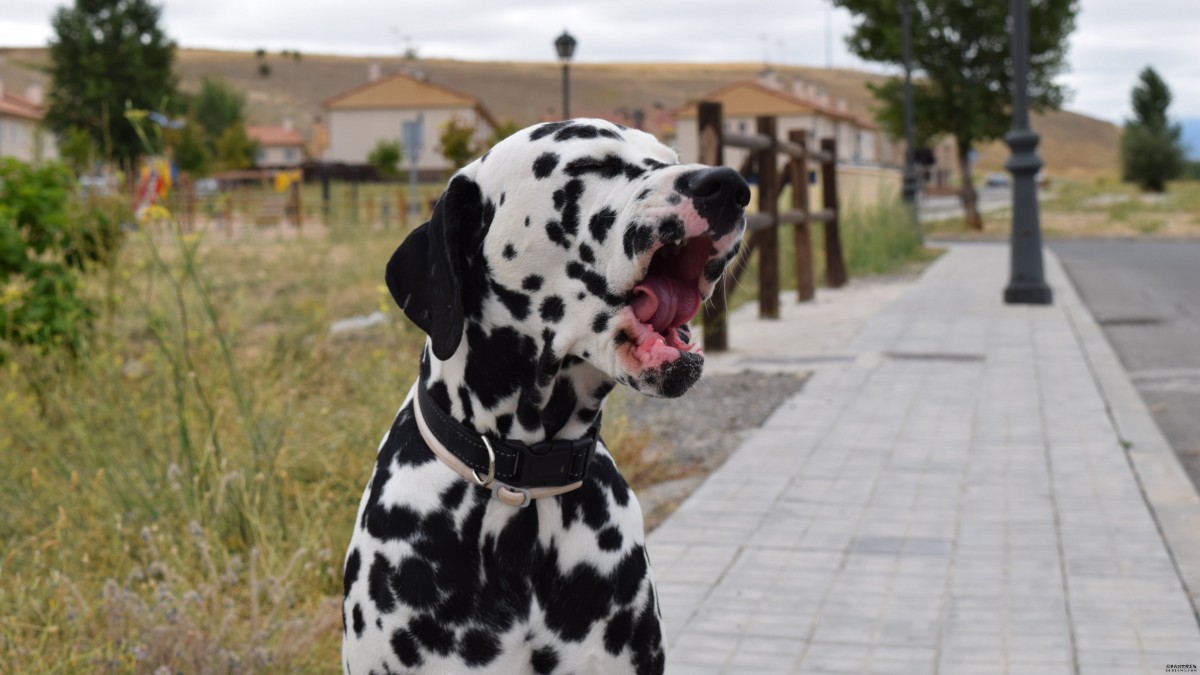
910, 170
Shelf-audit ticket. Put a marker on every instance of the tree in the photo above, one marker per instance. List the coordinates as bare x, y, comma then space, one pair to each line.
1151, 147
188, 148
962, 55
456, 143
235, 148
106, 56
385, 157
217, 107
78, 150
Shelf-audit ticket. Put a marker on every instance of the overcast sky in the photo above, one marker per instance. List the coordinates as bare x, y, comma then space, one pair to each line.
1113, 41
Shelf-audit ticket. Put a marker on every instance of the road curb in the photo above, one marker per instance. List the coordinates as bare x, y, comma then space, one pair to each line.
1164, 484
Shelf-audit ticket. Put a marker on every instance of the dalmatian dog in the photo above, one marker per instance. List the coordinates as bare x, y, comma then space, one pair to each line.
496, 534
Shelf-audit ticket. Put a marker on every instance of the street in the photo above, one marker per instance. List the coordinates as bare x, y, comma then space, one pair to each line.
1146, 297
944, 207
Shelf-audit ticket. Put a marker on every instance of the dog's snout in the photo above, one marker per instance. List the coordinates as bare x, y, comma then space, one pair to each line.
719, 194
719, 184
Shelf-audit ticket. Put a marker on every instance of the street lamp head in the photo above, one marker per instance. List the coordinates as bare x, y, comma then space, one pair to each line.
565, 45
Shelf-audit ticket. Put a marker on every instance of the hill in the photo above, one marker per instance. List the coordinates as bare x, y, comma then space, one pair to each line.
1072, 144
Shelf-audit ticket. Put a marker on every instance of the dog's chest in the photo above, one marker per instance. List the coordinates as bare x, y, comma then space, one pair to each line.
441, 576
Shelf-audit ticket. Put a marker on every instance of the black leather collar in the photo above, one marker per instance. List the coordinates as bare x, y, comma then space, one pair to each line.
517, 464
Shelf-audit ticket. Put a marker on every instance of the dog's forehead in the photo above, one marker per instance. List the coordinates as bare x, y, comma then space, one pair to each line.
541, 150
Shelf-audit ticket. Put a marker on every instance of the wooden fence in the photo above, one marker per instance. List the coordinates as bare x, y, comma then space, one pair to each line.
763, 227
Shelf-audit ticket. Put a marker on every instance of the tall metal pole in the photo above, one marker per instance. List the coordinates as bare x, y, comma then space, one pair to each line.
910, 170
1027, 283
566, 91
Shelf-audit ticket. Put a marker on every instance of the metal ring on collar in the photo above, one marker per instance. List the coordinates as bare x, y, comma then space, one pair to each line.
491, 474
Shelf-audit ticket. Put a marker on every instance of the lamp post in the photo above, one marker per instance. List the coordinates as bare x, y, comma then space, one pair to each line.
565, 46
1027, 283
910, 170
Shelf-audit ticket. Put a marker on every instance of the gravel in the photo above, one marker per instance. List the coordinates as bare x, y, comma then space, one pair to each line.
701, 429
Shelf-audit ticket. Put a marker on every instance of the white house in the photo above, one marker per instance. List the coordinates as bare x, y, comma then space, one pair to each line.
356, 120
858, 140
278, 146
21, 134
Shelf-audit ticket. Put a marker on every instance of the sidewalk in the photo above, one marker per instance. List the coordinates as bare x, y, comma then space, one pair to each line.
948, 494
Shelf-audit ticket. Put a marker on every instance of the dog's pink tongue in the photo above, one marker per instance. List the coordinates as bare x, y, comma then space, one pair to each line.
664, 302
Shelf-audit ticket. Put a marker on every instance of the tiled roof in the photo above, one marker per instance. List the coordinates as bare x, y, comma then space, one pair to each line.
743, 99
274, 136
17, 106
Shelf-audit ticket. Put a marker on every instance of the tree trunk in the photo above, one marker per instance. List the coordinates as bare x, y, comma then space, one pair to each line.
970, 199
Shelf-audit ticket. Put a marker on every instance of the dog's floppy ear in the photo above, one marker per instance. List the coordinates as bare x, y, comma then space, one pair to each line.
425, 275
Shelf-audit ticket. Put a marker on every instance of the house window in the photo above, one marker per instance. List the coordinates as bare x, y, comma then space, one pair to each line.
262, 156
290, 154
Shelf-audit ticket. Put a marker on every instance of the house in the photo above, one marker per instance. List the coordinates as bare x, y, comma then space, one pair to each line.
356, 120
278, 146
21, 134
804, 107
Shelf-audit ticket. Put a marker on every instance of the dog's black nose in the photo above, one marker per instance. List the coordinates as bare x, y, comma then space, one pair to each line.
719, 184
719, 195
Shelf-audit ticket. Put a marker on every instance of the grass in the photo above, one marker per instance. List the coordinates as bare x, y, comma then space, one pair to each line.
1101, 208
181, 495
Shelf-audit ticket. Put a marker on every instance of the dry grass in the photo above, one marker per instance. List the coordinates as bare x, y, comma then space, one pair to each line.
1100, 208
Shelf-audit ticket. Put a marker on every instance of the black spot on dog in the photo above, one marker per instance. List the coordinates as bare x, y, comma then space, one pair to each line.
502, 196
353, 563
413, 583
359, 624
479, 648
528, 221
544, 660
559, 407
452, 497
516, 302
510, 252
576, 131
641, 196
602, 390
653, 163
547, 129
553, 309
670, 229
647, 639
586, 254
609, 167
405, 648
638, 238
628, 575
544, 165
498, 363
572, 601
610, 539
600, 322
601, 222
621, 338
586, 415
595, 284
504, 425
431, 634
390, 523
570, 211
440, 395
684, 333
674, 198
464, 398
489, 213
609, 133
604, 472
581, 296
618, 632
556, 234
378, 587
533, 282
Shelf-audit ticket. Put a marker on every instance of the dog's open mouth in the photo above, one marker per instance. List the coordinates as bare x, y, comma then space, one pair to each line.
667, 298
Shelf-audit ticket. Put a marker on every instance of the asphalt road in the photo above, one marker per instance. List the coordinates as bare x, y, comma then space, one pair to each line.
1146, 297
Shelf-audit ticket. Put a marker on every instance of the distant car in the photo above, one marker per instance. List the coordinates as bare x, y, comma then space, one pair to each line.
997, 179
207, 187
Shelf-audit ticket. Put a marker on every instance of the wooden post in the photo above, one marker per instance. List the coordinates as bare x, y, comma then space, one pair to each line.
297, 206
370, 210
402, 208
712, 153
354, 202
802, 231
835, 264
768, 238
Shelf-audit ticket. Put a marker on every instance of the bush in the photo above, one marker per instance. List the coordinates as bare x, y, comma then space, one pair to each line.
385, 157
44, 241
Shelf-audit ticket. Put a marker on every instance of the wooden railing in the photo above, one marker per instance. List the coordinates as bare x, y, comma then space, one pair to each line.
763, 227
